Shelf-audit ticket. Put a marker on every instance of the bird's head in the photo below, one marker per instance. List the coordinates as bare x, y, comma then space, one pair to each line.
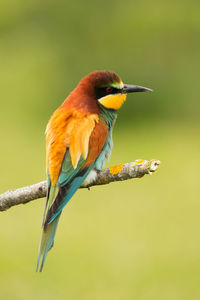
108, 89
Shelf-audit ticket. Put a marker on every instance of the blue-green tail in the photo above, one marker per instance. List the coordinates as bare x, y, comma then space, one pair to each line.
57, 198
47, 241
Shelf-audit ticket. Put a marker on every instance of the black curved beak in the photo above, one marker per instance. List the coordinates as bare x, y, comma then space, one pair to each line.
128, 88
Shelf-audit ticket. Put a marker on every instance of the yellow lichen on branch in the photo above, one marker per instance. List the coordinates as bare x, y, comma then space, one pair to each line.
116, 169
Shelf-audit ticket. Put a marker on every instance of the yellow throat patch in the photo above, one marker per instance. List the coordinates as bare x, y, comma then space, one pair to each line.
113, 101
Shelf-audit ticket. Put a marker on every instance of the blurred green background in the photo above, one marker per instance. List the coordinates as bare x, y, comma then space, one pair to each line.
132, 240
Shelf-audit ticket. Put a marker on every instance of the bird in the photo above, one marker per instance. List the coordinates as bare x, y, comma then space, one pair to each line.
78, 142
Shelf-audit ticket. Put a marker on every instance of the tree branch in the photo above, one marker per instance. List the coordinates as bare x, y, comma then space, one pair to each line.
120, 172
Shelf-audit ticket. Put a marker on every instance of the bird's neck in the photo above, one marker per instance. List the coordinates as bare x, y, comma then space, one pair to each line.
108, 116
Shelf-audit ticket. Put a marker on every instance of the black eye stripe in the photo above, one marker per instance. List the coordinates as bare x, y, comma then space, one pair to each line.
102, 92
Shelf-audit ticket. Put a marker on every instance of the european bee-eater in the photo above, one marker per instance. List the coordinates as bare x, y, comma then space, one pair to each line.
78, 141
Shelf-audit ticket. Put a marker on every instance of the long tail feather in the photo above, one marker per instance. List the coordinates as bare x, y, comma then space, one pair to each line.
47, 241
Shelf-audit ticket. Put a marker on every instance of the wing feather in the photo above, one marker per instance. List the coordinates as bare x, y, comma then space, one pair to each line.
82, 129
64, 131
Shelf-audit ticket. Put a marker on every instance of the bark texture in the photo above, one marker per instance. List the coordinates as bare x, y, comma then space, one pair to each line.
119, 172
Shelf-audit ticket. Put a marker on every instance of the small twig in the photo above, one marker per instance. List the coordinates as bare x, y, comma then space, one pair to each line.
120, 172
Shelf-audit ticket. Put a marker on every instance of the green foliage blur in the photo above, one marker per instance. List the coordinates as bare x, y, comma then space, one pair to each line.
132, 240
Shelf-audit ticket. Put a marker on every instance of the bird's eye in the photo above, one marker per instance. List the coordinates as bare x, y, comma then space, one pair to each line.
109, 90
